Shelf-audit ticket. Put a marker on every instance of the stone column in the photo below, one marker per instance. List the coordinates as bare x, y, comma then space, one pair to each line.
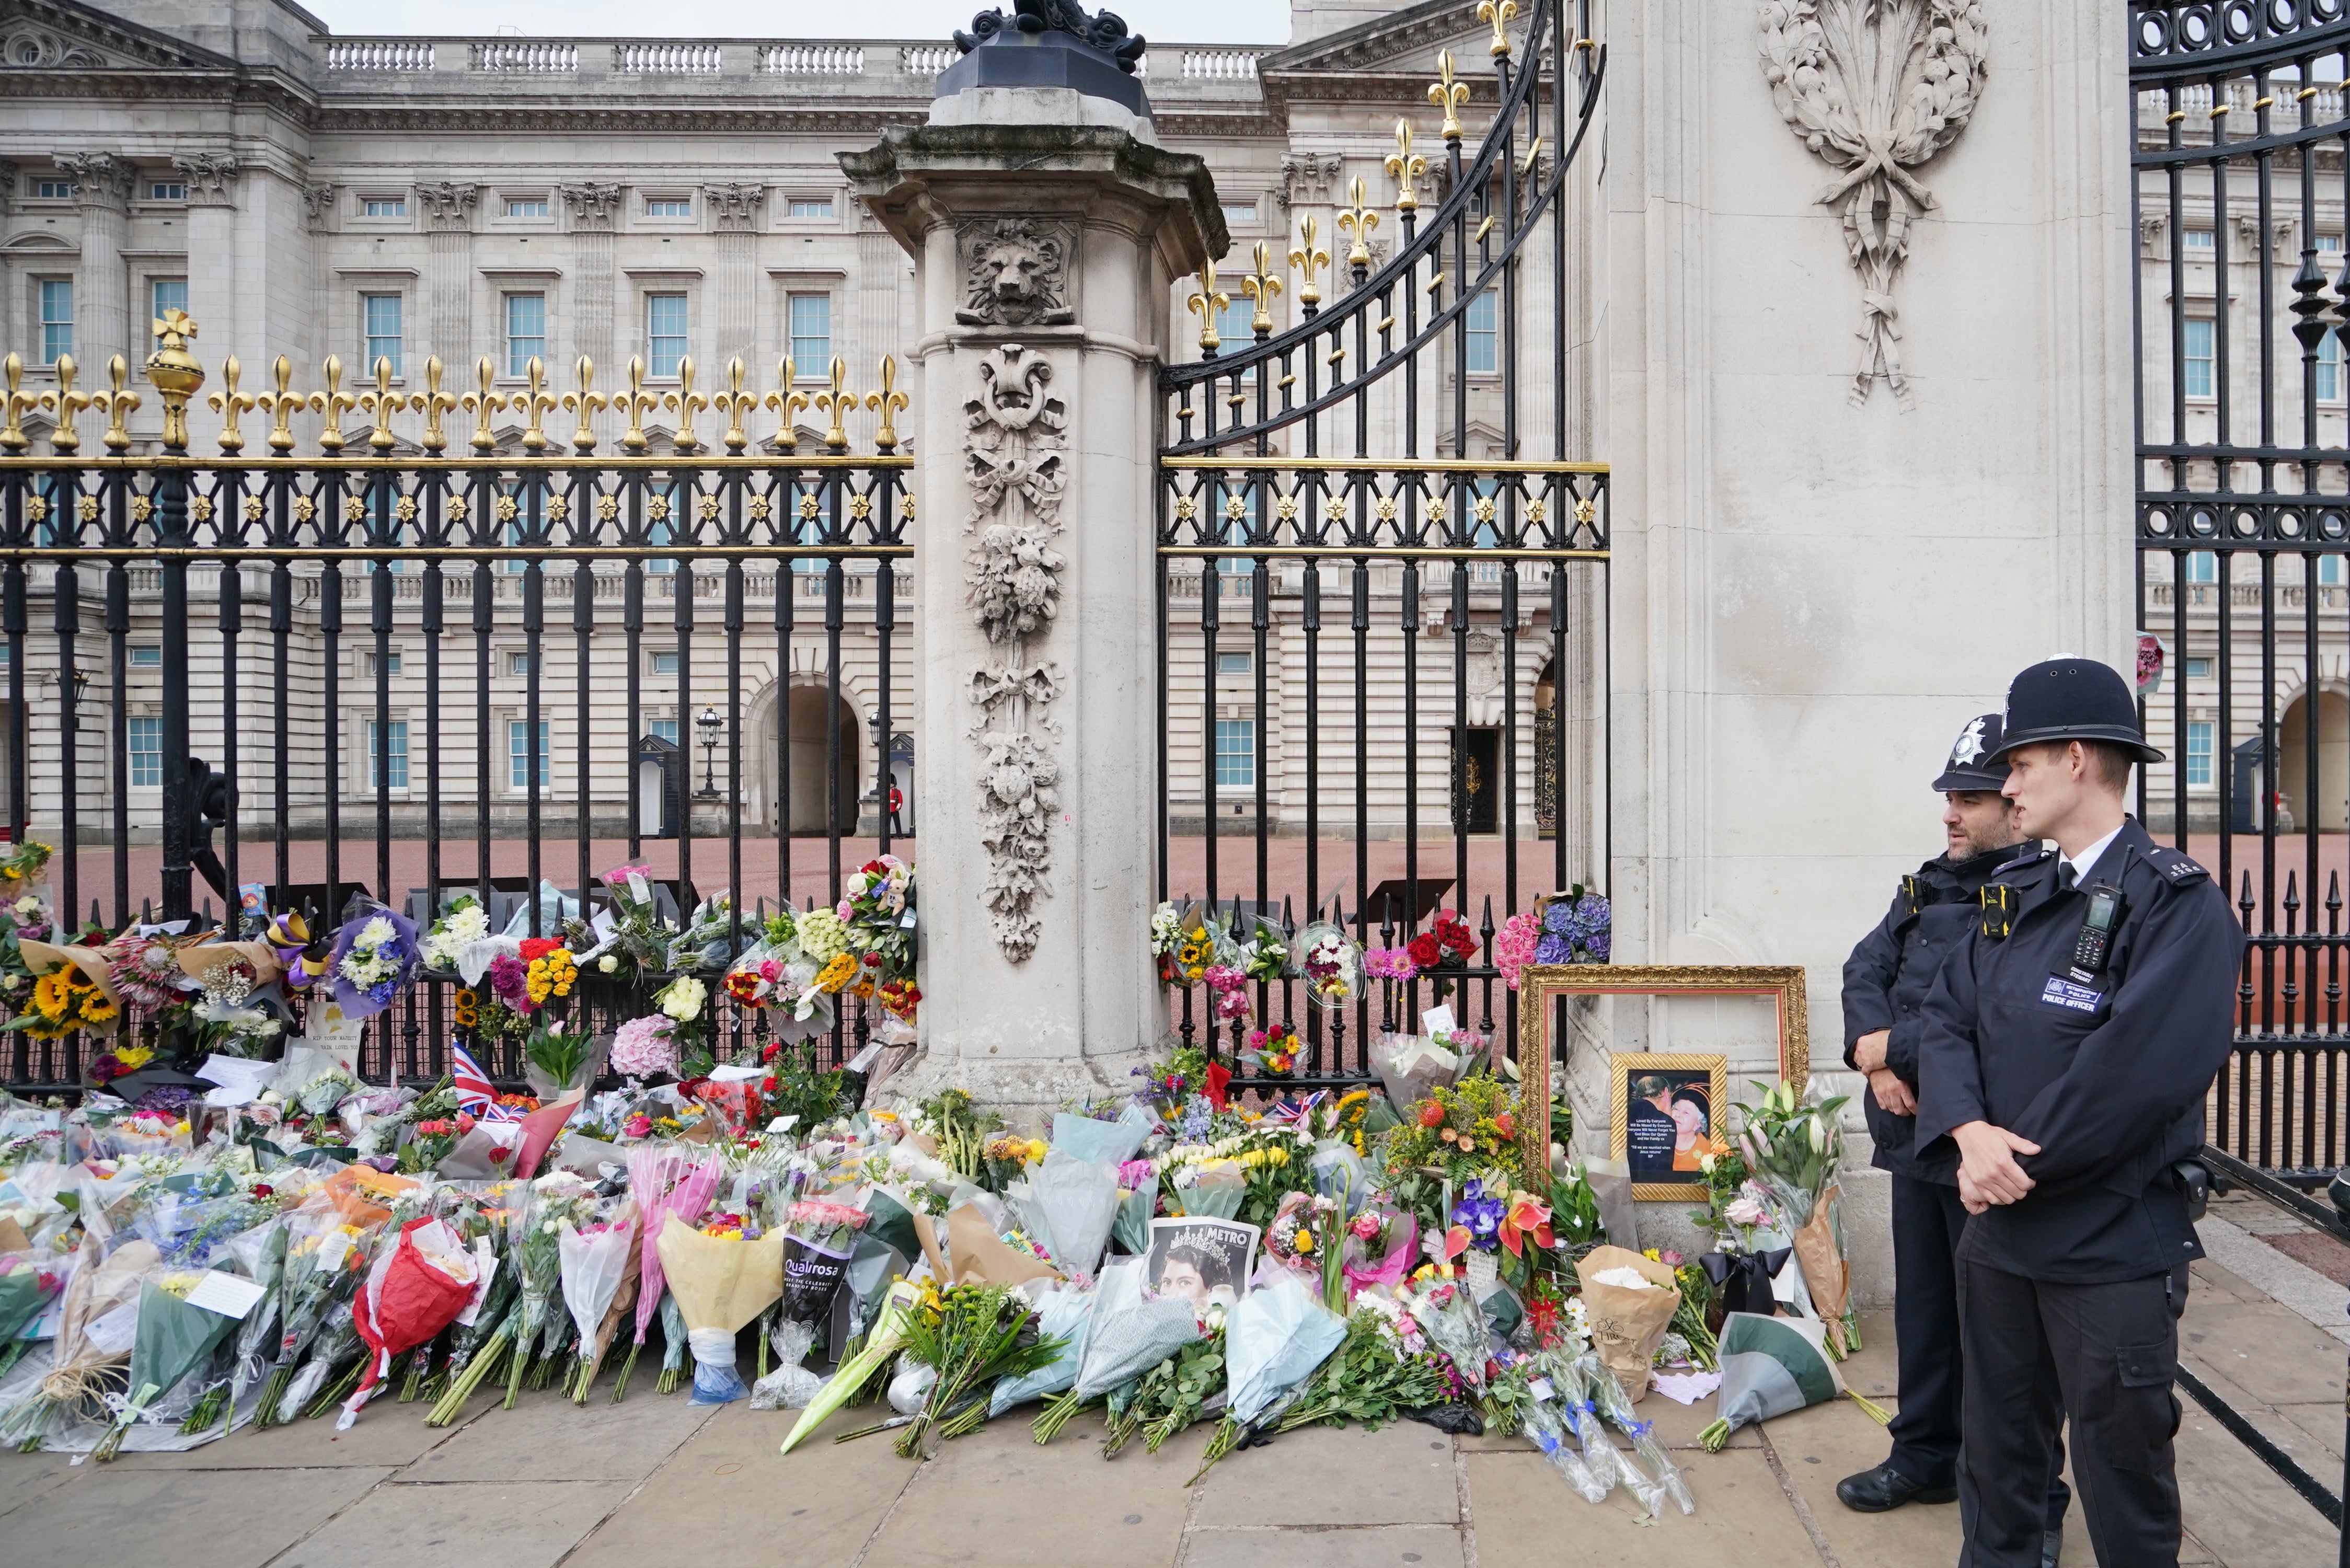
448, 277
213, 251
319, 213
1043, 249
595, 213
102, 325
735, 310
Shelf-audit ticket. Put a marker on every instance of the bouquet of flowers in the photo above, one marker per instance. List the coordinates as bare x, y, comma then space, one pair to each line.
638, 937
1273, 1052
970, 1335
83, 1369
1062, 1318
73, 989
1631, 1299
1394, 964
1515, 944
1331, 964
175, 1338
1447, 944
1575, 928
227, 1020
599, 1268
415, 1289
550, 972
560, 1060
557, 1199
876, 901
684, 1002
645, 1047
1262, 956
663, 1181
29, 1281
1381, 1242
719, 1283
1795, 1150
375, 955
1182, 944
1128, 1338
1169, 1397
1229, 986
1370, 1378
458, 926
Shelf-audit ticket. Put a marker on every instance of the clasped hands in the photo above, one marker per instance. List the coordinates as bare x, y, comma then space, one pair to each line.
1892, 1093
1988, 1173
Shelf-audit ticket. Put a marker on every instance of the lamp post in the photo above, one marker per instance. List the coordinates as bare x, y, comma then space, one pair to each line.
710, 723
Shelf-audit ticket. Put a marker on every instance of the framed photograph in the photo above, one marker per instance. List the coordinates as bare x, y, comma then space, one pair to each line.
1665, 1115
1207, 1261
1541, 988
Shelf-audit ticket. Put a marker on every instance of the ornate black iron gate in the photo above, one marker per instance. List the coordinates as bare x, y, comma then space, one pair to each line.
1383, 557
2243, 531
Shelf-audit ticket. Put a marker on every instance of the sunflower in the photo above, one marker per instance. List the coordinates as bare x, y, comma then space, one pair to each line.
469, 1010
53, 994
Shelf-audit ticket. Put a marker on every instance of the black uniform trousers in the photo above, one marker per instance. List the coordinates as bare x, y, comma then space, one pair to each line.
1928, 1220
2103, 1354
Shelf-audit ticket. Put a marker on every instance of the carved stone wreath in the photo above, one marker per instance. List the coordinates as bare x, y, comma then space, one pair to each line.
1014, 274
1875, 88
1015, 447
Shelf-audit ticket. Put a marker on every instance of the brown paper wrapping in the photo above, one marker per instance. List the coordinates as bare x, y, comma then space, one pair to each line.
1627, 1325
13, 1237
981, 1256
42, 956
928, 1235
198, 960
1826, 1274
623, 1310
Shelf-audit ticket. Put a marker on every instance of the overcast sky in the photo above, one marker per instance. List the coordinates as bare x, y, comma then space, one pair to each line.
1176, 21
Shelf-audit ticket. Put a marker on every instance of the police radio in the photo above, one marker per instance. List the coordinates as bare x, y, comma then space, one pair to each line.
2095, 944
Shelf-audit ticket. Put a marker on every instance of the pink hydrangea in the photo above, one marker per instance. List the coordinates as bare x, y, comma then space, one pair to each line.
642, 1047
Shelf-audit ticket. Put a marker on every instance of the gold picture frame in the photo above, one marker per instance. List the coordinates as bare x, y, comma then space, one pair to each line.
1636, 1067
1540, 986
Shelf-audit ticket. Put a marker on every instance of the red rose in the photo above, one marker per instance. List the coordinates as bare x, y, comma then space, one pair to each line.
767, 1053
1431, 1115
1425, 949
536, 948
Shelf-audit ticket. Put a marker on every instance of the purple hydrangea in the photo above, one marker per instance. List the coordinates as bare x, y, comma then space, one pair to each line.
1480, 1214
1553, 948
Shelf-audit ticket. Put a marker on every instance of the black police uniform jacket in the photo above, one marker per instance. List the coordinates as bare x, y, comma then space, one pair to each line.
1885, 982
2106, 1074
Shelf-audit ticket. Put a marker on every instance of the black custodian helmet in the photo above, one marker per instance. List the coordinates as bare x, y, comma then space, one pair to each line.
1974, 762
2073, 700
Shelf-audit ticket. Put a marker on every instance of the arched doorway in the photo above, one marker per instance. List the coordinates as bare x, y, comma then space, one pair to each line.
808, 756
2330, 813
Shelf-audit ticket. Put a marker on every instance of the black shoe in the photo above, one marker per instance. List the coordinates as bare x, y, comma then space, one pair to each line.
2051, 1548
1884, 1489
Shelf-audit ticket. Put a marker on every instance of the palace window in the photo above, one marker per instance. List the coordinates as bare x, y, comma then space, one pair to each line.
525, 331
1484, 326
388, 755
2197, 240
54, 189
166, 191
165, 294
57, 318
525, 206
147, 658
1236, 754
2329, 367
665, 332
145, 739
811, 334
379, 332
669, 207
518, 754
2199, 754
2200, 355
811, 207
385, 207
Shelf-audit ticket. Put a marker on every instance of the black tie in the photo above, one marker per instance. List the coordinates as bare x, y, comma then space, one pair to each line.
2066, 876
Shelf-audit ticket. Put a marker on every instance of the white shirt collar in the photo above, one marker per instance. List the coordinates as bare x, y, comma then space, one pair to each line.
2087, 857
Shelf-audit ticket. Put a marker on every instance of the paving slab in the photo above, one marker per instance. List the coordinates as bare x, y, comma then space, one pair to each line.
1290, 1482
24, 1477
1818, 1448
547, 1437
2210, 1279
2238, 1509
458, 1524
819, 1503
388, 1434
999, 1500
154, 1516
1523, 1515
2276, 1356
2323, 1425
1874, 1369
1376, 1546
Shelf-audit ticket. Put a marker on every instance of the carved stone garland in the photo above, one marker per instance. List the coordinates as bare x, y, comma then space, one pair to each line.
1015, 447
1875, 88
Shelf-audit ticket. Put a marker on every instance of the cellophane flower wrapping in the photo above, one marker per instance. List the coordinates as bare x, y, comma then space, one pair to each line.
1546, 1427
415, 1289
1409, 1065
1275, 1338
29, 1281
595, 1261
1607, 1393
1771, 1366
1381, 1253
720, 1285
1212, 1191
1064, 1314
1131, 1229
1454, 1324
80, 1369
375, 955
174, 1340
1129, 1335
791, 1385
1076, 1201
817, 1247
1110, 1143
665, 1180
1330, 962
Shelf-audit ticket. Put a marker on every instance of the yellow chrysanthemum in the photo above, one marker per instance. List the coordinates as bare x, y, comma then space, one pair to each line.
835, 973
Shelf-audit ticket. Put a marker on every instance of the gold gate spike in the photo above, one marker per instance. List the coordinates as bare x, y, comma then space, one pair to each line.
836, 403
535, 402
636, 402
1205, 303
585, 402
334, 403
380, 405
116, 403
174, 373
66, 405
1500, 13
1259, 287
228, 403
888, 401
734, 402
786, 404
283, 406
435, 402
1310, 260
483, 404
1359, 221
1404, 166
684, 402
1450, 96
15, 404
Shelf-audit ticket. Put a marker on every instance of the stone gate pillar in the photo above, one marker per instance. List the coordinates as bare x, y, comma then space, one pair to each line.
1047, 228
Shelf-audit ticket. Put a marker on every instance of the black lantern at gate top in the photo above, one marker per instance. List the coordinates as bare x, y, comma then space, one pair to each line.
709, 724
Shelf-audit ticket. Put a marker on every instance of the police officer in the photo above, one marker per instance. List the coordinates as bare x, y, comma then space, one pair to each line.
2068, 1044
1885, 985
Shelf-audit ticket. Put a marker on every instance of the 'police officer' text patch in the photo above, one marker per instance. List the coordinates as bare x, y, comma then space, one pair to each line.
2061, 993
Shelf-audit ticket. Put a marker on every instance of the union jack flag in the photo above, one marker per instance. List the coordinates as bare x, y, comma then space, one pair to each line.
475, 1094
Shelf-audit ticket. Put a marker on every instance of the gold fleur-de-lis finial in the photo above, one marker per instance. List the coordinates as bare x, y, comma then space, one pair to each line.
837, 404
1500, 13
1450, 96
888, 401
435, 402
536, 402
585, 402
1259, 287
228, 403
636, 402
1359, 221
734, 403
117, 402
1404, 166
684, 402
1204, 304
481, 404
786, 404
380, 405
283, 405
1309, 260
334, 403
65, 405
15, 404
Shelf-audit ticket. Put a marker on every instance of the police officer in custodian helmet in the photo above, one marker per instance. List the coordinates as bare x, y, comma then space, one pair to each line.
2068, 1044
1885, 986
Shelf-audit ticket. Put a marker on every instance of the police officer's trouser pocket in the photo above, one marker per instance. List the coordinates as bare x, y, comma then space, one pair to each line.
2146, 1413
